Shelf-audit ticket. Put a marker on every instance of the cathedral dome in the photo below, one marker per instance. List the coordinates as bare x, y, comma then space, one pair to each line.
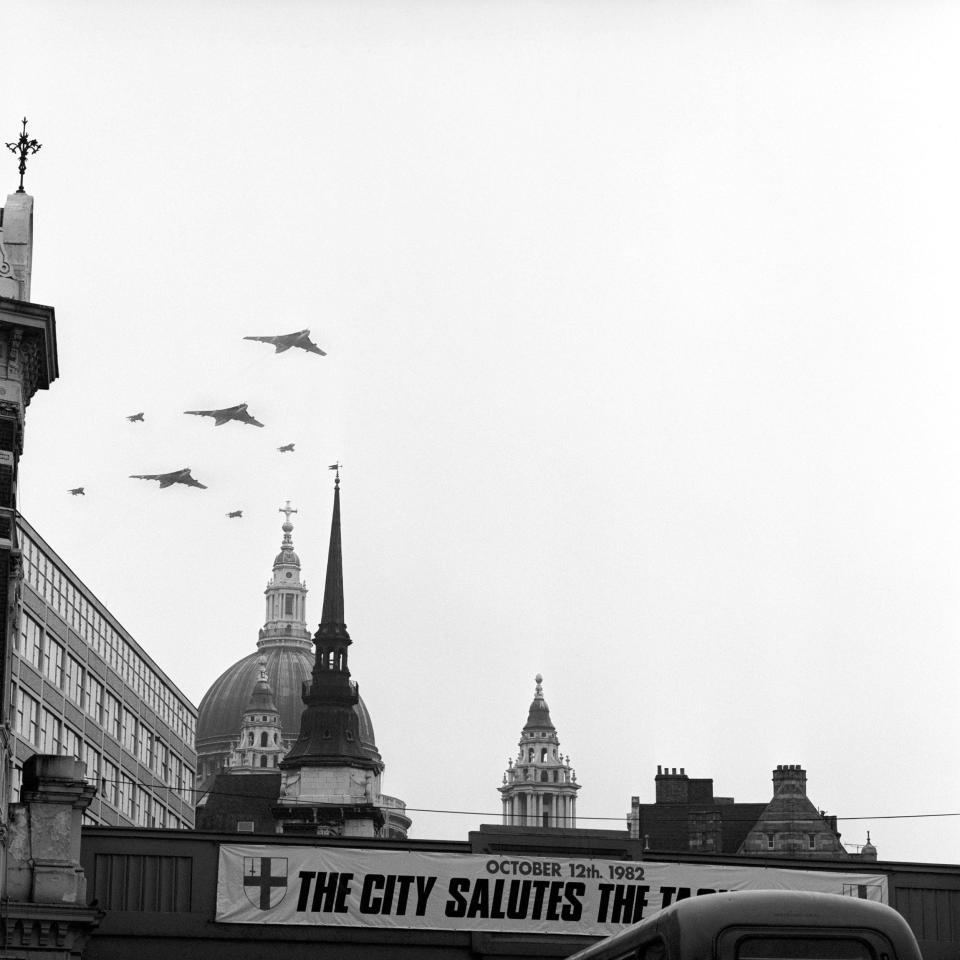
289, 665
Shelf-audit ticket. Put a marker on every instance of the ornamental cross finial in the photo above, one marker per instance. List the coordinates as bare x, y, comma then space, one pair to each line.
287, 510
23, 146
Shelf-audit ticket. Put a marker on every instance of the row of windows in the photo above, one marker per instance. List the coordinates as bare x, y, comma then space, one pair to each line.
50, 734
83, 616
65, 672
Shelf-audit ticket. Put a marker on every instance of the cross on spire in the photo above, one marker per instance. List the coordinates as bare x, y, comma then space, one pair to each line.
287, 510
23, 146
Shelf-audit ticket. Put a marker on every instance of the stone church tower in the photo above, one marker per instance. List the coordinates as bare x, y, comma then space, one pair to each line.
540, 789
331, 776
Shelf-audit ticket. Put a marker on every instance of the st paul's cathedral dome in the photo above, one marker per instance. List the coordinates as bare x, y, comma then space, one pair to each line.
286, 644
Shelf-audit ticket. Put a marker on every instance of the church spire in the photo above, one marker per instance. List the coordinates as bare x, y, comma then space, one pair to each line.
331, 620
329, 728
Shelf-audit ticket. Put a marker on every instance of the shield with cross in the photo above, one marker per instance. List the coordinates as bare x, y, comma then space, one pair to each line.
265, 880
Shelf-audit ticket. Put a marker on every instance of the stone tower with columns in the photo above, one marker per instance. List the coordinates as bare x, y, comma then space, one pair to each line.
285, 592
260, 747
540, 788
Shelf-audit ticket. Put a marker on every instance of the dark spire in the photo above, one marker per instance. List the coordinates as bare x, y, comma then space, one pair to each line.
329, 727
331, 620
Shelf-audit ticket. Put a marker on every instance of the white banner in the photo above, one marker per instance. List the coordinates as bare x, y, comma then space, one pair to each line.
442, 891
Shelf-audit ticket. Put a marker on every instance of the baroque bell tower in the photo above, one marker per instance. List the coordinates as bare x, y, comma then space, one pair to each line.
540, 788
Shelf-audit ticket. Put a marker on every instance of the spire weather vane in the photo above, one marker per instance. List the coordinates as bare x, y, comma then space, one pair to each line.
24, 147
336, 466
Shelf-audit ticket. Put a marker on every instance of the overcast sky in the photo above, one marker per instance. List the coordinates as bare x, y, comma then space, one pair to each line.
642, 333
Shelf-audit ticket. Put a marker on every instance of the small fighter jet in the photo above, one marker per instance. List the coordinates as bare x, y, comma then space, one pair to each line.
286, 448
76, 492
285, 341
220, 417
169, 479
234, 513
136, 417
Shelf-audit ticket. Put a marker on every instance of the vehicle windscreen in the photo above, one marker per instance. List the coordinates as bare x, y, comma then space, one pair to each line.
795, 947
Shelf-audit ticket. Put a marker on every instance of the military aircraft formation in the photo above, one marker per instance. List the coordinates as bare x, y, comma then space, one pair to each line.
281, 342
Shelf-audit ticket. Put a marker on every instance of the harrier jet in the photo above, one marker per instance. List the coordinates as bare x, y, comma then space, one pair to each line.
136, 418
286, 448
76, 492
285, 341
235, 513
169, 479
238, 412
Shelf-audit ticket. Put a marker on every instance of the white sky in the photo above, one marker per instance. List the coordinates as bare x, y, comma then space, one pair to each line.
642, 334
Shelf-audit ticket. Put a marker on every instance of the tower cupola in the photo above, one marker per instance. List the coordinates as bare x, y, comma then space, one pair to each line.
540, 788
285, 593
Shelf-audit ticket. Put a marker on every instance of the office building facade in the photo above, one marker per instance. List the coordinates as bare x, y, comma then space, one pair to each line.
82, 686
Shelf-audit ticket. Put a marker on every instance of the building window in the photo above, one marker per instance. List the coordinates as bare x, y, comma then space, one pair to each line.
245, 826
129, 732
52, 731
110, 783
161, 762
128, 800
144, 744
28, 716
91, 760
74, 678
71, 742
31, 641
769, 841
812, 841
145, 816
111, 718
93, 698
53, 662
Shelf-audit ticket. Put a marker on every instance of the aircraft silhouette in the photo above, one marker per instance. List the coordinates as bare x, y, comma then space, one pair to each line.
239, 412
285, 341
169, 479
136, 418
286, 448
235, 513
76, 492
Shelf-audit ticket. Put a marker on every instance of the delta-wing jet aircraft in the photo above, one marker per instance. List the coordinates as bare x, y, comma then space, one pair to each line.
220, 417
169, 479
285, 341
